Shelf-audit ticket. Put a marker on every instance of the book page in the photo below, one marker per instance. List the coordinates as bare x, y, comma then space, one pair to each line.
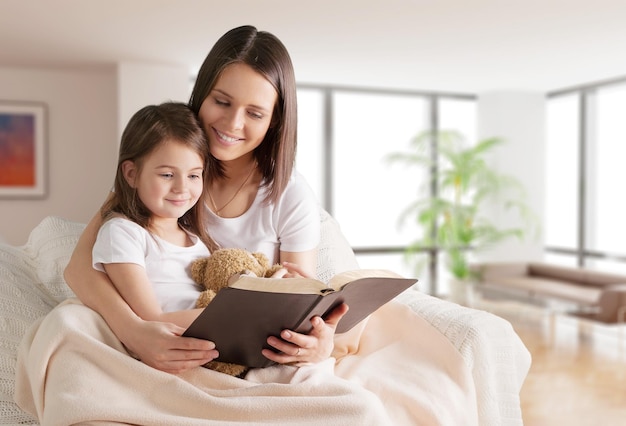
344, 278
307, 285
280, 285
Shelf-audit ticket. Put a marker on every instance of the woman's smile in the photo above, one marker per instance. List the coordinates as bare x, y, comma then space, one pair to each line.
225, 139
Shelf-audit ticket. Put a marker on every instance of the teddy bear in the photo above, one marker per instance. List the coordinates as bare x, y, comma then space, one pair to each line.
214, 272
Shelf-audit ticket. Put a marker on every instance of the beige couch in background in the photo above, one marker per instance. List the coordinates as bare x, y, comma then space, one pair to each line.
596, 295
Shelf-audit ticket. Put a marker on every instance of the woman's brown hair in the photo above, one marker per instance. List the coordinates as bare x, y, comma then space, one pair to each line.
267, 55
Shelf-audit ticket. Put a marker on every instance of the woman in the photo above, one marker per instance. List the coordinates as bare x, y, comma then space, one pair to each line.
245, 98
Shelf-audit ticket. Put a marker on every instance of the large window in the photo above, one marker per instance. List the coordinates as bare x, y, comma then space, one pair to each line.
345, 136
311, 151
562, 170
585, 154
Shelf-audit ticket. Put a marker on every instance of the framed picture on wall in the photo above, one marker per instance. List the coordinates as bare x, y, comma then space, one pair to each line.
22, 149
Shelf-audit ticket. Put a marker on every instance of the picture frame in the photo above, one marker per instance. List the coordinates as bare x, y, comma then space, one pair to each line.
23, 149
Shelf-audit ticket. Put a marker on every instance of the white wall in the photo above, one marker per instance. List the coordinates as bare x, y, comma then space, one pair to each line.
81, 111
143, 84
518, 118
87, 109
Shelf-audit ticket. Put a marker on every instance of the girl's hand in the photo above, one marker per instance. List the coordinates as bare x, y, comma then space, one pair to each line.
160, 345
302, 348
291, 270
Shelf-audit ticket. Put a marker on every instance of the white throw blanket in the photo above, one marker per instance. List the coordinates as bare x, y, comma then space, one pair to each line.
395, 368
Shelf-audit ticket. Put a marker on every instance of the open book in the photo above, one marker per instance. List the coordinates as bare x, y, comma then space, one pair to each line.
242, 316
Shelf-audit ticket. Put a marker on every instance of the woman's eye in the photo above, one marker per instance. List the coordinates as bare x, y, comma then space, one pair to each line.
221, 102
256, 115
167, 175
195, 176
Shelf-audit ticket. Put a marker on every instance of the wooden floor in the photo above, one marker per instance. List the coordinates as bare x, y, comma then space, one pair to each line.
578, 372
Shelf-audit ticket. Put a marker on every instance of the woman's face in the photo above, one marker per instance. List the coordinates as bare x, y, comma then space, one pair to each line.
237, 112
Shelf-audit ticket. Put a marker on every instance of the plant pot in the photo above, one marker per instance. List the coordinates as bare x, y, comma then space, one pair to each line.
461, 291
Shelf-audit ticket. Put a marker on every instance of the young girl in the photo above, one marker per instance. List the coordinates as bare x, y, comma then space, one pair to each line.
154, 222
245, 98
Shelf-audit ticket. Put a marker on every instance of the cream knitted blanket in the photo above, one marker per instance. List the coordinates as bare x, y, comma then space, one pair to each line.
394, 369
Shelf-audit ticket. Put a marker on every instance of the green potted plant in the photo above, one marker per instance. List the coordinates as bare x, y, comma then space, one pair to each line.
452, 209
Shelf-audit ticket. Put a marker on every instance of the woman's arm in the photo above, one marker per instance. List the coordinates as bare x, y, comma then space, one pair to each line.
157, 344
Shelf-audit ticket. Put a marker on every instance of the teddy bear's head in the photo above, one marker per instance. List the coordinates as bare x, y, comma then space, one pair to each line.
213, 272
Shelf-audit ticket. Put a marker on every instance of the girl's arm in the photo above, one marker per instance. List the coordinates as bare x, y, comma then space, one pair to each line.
157, 344
304, 263
133, 284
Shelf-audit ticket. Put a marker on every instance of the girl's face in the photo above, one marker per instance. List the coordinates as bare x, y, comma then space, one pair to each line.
237, 112
170, 180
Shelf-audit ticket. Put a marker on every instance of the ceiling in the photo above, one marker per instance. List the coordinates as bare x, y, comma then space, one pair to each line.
466, 46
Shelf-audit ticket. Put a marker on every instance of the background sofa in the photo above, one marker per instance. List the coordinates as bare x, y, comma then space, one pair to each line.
32, 284
596, 295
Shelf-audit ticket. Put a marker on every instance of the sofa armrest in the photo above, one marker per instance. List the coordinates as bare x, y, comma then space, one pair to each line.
612, 300
498, 359
21, 303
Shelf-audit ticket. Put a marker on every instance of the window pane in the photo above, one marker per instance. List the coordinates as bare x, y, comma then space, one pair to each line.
459, 115
606, 265
561, 259
369, 193
562, 154
311, 147
606, 206
393, 262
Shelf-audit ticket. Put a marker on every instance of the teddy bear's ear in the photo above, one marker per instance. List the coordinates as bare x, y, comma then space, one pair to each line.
198, 269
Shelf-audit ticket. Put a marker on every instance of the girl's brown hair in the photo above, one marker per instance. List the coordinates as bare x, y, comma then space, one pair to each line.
267, 55
148, 129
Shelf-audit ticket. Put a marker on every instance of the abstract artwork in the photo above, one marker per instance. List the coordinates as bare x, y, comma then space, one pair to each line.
22, 150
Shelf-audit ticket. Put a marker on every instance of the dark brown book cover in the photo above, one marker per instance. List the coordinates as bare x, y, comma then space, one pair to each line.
239, 320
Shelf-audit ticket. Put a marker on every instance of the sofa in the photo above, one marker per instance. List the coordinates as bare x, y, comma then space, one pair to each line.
595, 295
32, 285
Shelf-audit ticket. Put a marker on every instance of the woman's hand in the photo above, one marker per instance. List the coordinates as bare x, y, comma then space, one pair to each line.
160, 345
307, 348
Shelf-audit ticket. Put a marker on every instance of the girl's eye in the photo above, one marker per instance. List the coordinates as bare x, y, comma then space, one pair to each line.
195, 176
167, 175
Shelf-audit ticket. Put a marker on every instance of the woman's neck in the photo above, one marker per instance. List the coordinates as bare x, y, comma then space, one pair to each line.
239, 168
232, 195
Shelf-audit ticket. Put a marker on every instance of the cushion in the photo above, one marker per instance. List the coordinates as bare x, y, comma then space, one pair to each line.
51, 244
31, 284
334, 253
554, 288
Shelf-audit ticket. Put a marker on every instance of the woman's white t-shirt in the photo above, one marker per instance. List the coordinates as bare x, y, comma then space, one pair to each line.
167, 265
291, 224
